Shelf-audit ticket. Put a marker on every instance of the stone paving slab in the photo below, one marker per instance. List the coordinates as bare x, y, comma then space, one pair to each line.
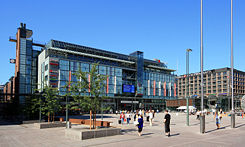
29, 136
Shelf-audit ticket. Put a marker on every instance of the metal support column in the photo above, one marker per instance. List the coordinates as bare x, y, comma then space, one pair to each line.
67, 122
232, 74
187, 87
40, 113
202, 115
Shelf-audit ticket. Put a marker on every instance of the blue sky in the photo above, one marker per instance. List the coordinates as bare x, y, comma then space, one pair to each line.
162, 29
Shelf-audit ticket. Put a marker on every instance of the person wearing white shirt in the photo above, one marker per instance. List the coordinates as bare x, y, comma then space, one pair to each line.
151, 117
127, 117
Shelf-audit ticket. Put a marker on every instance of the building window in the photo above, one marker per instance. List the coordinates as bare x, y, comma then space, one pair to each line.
46, 78
46, 67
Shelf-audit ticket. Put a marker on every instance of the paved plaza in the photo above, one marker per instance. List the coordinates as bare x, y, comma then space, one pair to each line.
27, 135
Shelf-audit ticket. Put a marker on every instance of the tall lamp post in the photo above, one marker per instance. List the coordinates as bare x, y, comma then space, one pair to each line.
202, 116
40, 107
67, 110
187, 87
232, 78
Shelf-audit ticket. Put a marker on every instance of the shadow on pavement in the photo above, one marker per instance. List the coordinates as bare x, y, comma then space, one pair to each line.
177, 134
221, 128
128, 130
240, 126
195, 124
9, 123
146, 134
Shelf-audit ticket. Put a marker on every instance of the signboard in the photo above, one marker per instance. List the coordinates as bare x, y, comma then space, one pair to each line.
129, 88
129, 102
12, 61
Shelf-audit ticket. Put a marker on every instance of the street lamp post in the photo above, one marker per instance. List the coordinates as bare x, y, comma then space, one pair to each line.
67, 110
187, 87
232, 68
67, 125
40, 107
202, 116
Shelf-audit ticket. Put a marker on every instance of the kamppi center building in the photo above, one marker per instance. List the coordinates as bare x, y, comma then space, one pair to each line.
132, 81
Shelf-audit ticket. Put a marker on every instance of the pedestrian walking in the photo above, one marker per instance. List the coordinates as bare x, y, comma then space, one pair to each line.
167, 118
151, 117
198, 115
147, 115
242, 113
140, 125
122, 117
217, 119
140, 112
220, 114
127, 117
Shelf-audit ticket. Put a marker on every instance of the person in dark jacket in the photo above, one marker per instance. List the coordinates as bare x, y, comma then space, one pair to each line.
167, 123
140, 125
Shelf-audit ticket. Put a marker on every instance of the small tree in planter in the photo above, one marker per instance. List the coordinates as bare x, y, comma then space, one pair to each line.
87, 92
48, 102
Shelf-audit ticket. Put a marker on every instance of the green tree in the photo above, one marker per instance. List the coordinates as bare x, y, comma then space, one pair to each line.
87, 91
31, 106
48, 101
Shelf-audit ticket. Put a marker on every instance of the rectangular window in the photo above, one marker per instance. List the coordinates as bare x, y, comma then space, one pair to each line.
64, 65
102, 70
110, 71
64, 75
46, 78
118, 72
85, 67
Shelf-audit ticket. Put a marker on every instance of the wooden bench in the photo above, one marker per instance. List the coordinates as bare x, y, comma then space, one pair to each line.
87, 122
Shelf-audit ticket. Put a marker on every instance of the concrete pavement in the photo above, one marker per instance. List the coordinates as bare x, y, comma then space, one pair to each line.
181, 135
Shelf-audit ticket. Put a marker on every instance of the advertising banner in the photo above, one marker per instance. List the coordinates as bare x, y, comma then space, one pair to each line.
170, 89
159, 88
129, 88
148, 87
115, 84
174, 89
88, 82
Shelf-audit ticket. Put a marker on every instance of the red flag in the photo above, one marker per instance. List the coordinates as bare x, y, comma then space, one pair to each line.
88, 82
174, 89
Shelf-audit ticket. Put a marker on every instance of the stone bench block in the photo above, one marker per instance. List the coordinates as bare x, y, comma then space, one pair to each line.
82, 134
49, 125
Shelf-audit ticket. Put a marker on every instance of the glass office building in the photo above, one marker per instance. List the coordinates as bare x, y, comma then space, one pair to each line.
25, 78
132, 81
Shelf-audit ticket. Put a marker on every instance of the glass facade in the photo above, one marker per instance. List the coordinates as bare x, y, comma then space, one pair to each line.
28, 67
149, 82
158, 85
67, 68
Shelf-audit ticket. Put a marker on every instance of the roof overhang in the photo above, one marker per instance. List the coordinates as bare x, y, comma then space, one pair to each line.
162, 68
90, 55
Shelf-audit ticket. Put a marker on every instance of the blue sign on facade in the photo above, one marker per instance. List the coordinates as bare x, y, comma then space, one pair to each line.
128, 88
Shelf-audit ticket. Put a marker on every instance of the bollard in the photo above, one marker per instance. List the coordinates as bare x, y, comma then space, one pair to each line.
233, 120
202, 123
68, 125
